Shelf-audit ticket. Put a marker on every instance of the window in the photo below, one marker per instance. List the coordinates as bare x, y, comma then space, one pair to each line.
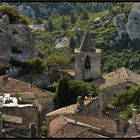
15, 50
87, 62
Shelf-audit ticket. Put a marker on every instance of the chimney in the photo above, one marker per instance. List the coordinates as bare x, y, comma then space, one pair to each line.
134, 113
80, 103
30, 87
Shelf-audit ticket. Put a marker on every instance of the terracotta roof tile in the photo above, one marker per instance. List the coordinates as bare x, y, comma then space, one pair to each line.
10, 85
68, 109
98, 121
63, 127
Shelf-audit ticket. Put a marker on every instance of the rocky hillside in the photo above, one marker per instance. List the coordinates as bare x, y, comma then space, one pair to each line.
133, 24
114, 28
17, 41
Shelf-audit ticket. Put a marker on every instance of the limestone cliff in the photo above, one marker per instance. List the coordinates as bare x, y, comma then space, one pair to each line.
16, 40
133, 24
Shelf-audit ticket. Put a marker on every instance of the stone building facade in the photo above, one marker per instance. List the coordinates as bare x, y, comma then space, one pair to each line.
30, 117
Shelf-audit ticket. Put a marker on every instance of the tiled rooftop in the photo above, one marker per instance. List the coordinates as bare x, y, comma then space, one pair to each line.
98, 121
68, 109
63, 127
10, 85
119, 76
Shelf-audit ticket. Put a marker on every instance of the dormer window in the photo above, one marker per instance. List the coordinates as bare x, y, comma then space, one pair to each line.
87, 62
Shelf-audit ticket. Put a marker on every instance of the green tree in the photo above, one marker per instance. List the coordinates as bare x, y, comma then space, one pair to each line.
14, 16
126, 97
39, 20
72, 42
11, 12
85, 15
50, 26
70, 90
63, 23
62, 93
73, 17
33, 66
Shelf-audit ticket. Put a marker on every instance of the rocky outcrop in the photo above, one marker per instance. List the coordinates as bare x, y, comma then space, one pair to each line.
16, 41
63, 42
119, 22
133, 24
27, 11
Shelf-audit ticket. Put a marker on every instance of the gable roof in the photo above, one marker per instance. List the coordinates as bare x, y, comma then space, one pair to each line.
66, 110
11, 85
98, 121
67, 128
119, 76
4, 63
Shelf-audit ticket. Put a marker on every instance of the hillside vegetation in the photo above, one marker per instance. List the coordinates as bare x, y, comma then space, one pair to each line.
71, 20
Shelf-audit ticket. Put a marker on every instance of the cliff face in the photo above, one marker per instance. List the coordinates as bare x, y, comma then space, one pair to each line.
133, 24
16, 40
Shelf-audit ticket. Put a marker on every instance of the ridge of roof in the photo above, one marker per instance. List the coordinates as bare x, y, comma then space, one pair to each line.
126, 74
120, 75
91, 128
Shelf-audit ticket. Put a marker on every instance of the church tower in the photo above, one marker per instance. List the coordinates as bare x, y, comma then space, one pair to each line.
87, 60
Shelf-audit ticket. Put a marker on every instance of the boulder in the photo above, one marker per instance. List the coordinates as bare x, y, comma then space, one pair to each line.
62, 42
5, 19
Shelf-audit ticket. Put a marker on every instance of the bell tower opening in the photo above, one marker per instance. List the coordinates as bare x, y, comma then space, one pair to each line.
87, 62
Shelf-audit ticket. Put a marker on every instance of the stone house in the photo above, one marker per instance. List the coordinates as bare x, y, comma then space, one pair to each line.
63, 127
27, 91
121, 78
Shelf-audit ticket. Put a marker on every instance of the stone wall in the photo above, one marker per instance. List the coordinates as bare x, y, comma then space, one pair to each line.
47, 104
29, 115
110, 92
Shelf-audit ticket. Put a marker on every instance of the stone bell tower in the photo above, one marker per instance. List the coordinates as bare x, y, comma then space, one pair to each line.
87, 60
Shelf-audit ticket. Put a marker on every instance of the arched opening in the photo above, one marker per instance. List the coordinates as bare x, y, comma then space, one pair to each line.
87, 62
